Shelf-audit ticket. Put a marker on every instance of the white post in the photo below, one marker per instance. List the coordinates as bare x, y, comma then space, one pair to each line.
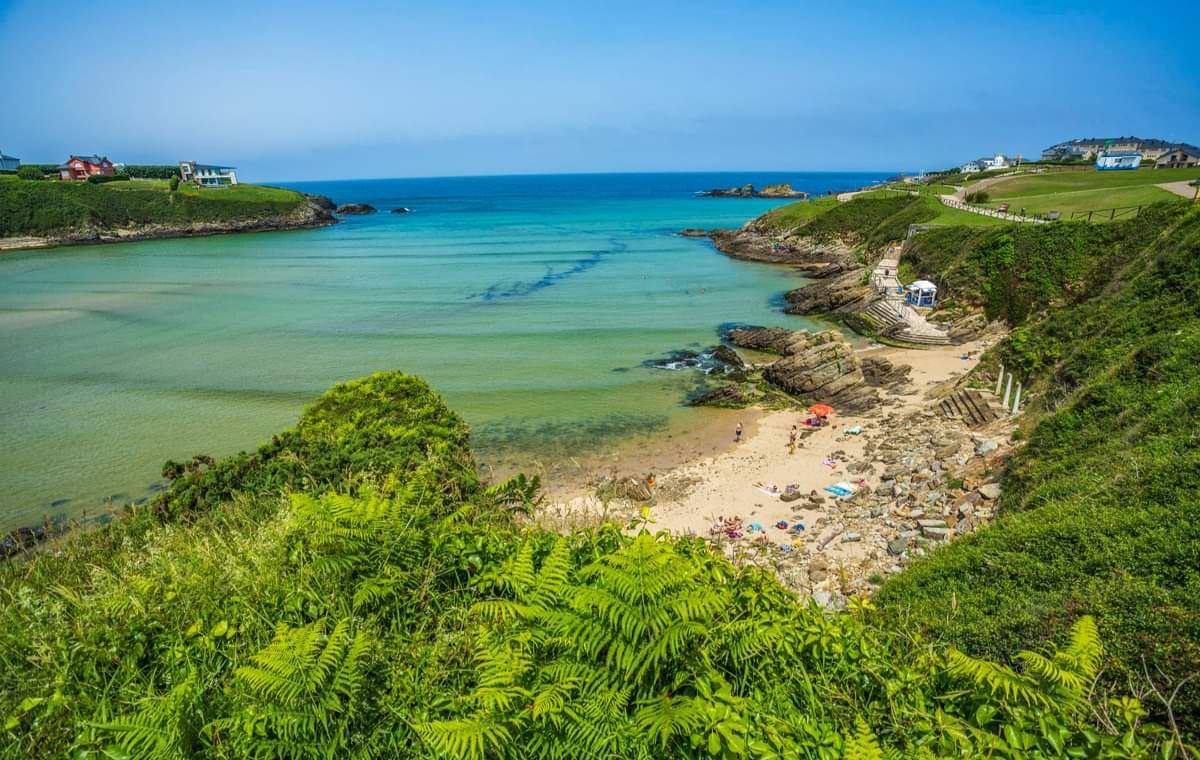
1007, 390
999, 379
1017, 399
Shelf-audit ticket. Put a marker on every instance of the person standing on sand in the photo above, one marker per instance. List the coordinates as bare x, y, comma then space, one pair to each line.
792, 440
737, 433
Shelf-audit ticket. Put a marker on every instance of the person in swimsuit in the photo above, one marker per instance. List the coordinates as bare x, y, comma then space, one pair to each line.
792, 440
737, 433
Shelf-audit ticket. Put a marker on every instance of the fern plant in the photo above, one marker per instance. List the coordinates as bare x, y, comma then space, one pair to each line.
300, 697
162, 729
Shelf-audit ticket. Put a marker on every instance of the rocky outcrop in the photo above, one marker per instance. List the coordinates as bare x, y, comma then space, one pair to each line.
815, 366
781, 190
881, 372
321, 201
356, 208
822, 367
843, 292
754, 242
401, 210
726, 396
773, 339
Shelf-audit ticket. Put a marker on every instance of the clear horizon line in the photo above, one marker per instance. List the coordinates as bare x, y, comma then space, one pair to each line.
587, 174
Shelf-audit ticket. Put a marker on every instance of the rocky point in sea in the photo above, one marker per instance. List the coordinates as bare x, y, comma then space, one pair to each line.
356, 208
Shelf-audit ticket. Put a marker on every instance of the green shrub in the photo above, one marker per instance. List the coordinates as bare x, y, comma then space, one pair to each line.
152, 171
100, 179
979, 196
30, 173
173, 183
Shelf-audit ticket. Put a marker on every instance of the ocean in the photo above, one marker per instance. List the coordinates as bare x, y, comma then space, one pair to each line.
531, 303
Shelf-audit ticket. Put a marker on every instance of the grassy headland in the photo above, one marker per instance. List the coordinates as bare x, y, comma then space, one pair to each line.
65, 210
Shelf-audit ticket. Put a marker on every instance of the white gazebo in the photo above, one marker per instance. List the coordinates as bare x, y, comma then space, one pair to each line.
921, 293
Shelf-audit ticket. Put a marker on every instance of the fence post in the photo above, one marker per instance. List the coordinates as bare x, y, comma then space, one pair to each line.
999, 379
1007, 391
1017, 400
1112, 215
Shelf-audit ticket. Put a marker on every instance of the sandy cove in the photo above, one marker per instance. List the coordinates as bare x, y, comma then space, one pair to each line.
691, 498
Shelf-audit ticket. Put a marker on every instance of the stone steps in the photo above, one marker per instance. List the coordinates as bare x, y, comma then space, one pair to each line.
971, 406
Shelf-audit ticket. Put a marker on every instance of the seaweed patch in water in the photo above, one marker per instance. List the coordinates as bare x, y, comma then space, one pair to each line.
527, 287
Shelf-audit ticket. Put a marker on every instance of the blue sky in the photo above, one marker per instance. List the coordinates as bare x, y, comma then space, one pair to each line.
299, 90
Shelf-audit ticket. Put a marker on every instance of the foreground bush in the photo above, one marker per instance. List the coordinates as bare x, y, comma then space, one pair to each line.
411, 616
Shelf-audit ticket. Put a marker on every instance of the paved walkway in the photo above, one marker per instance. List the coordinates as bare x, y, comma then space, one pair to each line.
1183, 187
952, 202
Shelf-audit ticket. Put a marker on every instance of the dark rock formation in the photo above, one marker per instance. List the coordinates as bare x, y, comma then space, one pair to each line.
726, 395
843, 292
693, 232
881, 372
822, 367
320, 201
401, 210
728, 357
782, 190
773, 339
356, 208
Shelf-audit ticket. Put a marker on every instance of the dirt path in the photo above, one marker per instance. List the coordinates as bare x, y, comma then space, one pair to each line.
1183, 187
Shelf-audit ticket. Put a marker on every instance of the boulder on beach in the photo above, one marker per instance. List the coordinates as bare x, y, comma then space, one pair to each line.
356, 208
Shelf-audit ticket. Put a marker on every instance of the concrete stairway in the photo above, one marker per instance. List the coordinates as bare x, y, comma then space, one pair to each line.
973, 407
902, 322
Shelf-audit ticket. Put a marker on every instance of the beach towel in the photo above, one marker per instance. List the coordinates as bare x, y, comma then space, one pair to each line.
853, 430
769, 491
782, 525
755, 527
842, 489
828, 462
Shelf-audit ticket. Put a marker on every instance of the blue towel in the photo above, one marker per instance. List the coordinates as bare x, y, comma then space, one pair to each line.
838, 490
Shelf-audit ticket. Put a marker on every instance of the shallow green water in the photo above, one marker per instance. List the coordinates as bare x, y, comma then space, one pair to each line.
530, 305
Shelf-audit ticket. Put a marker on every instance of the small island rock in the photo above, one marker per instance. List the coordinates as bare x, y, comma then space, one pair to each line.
356, 208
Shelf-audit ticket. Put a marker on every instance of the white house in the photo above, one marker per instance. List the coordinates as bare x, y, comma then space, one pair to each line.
9, 163
1110, 160
971, 167
207, 175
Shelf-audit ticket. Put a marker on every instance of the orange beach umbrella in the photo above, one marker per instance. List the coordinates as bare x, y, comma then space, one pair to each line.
821, 410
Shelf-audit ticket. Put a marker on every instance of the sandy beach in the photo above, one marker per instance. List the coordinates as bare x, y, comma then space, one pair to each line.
744, 479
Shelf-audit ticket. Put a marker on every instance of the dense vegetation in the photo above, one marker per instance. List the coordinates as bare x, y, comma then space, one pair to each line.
56, 207
402, 611
1099, 509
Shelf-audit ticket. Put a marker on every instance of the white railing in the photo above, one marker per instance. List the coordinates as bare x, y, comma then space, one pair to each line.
986, 211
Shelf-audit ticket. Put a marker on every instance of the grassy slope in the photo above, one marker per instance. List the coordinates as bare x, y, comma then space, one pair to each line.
53, 207
1099, 510
874, 217
1058, 182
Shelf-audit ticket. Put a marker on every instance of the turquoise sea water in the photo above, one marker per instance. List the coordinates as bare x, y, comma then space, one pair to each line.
528, 302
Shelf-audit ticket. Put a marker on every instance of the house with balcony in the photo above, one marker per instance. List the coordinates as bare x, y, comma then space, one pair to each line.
82, 167
207, 175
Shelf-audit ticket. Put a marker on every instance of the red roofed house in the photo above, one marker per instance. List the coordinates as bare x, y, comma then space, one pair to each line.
82, 167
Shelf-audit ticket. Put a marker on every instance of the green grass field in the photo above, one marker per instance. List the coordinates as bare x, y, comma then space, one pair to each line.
1088, 200
1065, 182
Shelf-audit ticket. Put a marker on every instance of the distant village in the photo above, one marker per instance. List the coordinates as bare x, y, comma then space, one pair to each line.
1108, 153
82, 167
